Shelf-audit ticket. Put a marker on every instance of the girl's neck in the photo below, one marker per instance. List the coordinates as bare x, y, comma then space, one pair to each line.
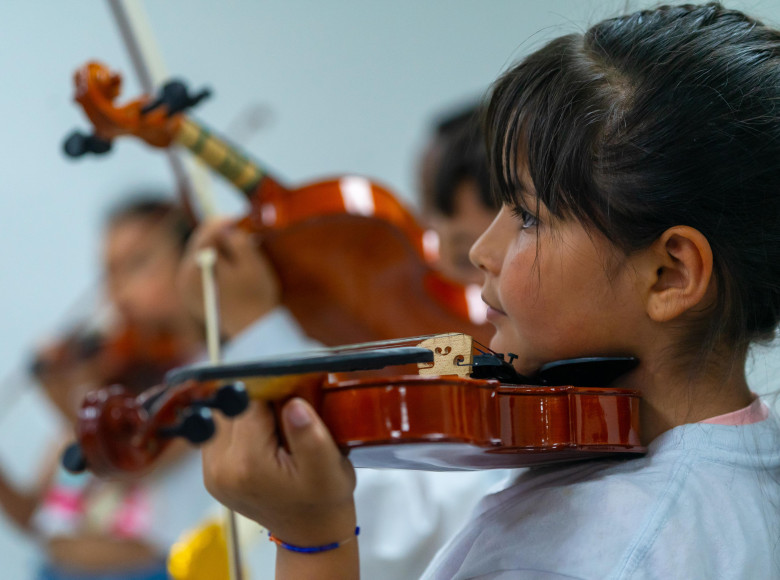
673, 396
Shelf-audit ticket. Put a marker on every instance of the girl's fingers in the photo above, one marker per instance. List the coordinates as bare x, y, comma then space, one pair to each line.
240, 447
255, 425
239, 247
209, 232
312, 448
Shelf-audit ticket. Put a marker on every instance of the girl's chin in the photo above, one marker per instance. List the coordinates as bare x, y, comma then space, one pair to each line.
499, 344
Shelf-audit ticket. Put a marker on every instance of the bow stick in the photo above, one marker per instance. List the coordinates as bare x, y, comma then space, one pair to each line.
191, 177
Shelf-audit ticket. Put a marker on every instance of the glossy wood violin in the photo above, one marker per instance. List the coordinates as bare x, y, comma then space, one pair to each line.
352, 261
464, 408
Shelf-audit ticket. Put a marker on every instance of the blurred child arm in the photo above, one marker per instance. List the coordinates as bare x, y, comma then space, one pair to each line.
248, 287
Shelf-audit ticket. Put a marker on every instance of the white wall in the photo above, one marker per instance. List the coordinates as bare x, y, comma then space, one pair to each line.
350, 86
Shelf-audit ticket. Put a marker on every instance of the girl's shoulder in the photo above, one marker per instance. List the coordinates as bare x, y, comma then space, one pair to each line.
698, 487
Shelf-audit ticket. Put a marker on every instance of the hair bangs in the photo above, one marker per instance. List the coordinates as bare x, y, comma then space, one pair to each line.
540, 125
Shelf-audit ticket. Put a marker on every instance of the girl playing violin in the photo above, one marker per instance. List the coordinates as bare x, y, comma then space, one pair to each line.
637, 164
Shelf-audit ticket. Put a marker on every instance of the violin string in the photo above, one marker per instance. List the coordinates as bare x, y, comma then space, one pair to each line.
484, 349
349, 348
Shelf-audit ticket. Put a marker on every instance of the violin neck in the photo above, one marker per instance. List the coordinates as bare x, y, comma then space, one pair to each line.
282, 387
222, 157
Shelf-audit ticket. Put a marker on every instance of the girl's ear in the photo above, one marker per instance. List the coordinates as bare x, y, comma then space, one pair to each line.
680, 272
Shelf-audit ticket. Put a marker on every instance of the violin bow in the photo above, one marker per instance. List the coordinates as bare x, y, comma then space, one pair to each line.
192, 182
192, 178
207, 259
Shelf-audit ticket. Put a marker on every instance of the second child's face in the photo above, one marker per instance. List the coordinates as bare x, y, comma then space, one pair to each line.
458, 232
556, 290
141, 260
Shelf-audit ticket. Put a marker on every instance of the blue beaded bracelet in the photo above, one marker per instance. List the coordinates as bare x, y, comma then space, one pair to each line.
313, 549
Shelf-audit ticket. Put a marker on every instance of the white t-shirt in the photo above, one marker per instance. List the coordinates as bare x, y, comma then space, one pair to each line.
404, 516
704, 503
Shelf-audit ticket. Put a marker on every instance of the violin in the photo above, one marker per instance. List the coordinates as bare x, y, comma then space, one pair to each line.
464, 407
124, 356
353, 263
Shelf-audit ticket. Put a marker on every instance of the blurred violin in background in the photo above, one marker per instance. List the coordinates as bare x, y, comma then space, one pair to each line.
129, 356
353, 263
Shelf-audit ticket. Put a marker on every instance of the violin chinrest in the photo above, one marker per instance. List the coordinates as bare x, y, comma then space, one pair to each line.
587, 371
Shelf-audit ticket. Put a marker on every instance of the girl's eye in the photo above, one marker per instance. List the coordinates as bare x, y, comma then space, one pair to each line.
527, 219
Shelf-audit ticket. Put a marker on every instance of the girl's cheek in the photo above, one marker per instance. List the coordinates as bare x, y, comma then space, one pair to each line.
514, 287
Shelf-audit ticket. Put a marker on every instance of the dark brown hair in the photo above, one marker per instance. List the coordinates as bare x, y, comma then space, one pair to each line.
462, 157
660, 118
156, 209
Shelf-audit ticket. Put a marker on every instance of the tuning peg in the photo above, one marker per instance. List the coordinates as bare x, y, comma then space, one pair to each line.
78, 144
196, 426
175, 96
73, 459
232, 399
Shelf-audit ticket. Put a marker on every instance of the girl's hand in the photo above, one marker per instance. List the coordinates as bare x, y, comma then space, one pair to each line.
304, 495
248, 287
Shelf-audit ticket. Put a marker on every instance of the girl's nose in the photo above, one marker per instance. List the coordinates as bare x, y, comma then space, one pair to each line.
487, 253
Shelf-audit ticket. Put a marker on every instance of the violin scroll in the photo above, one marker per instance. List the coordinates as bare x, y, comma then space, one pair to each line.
156, 121
120, 433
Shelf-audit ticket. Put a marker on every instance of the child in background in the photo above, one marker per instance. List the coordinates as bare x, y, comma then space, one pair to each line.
455, 184
637, 163
95, 530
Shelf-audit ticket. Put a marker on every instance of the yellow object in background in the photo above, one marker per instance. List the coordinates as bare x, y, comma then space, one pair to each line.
200, 554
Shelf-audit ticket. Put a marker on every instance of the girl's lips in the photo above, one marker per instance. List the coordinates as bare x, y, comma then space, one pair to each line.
492, 311
493, 314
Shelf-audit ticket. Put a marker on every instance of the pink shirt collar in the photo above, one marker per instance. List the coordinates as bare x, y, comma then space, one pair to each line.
753, 413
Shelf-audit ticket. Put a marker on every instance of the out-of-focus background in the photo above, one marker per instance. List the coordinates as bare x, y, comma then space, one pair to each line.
310, 88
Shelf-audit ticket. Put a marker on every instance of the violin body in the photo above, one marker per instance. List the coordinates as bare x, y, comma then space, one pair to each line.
124, 356
364, 274
456, 423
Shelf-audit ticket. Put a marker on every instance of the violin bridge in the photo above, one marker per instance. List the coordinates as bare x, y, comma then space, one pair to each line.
453, 354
